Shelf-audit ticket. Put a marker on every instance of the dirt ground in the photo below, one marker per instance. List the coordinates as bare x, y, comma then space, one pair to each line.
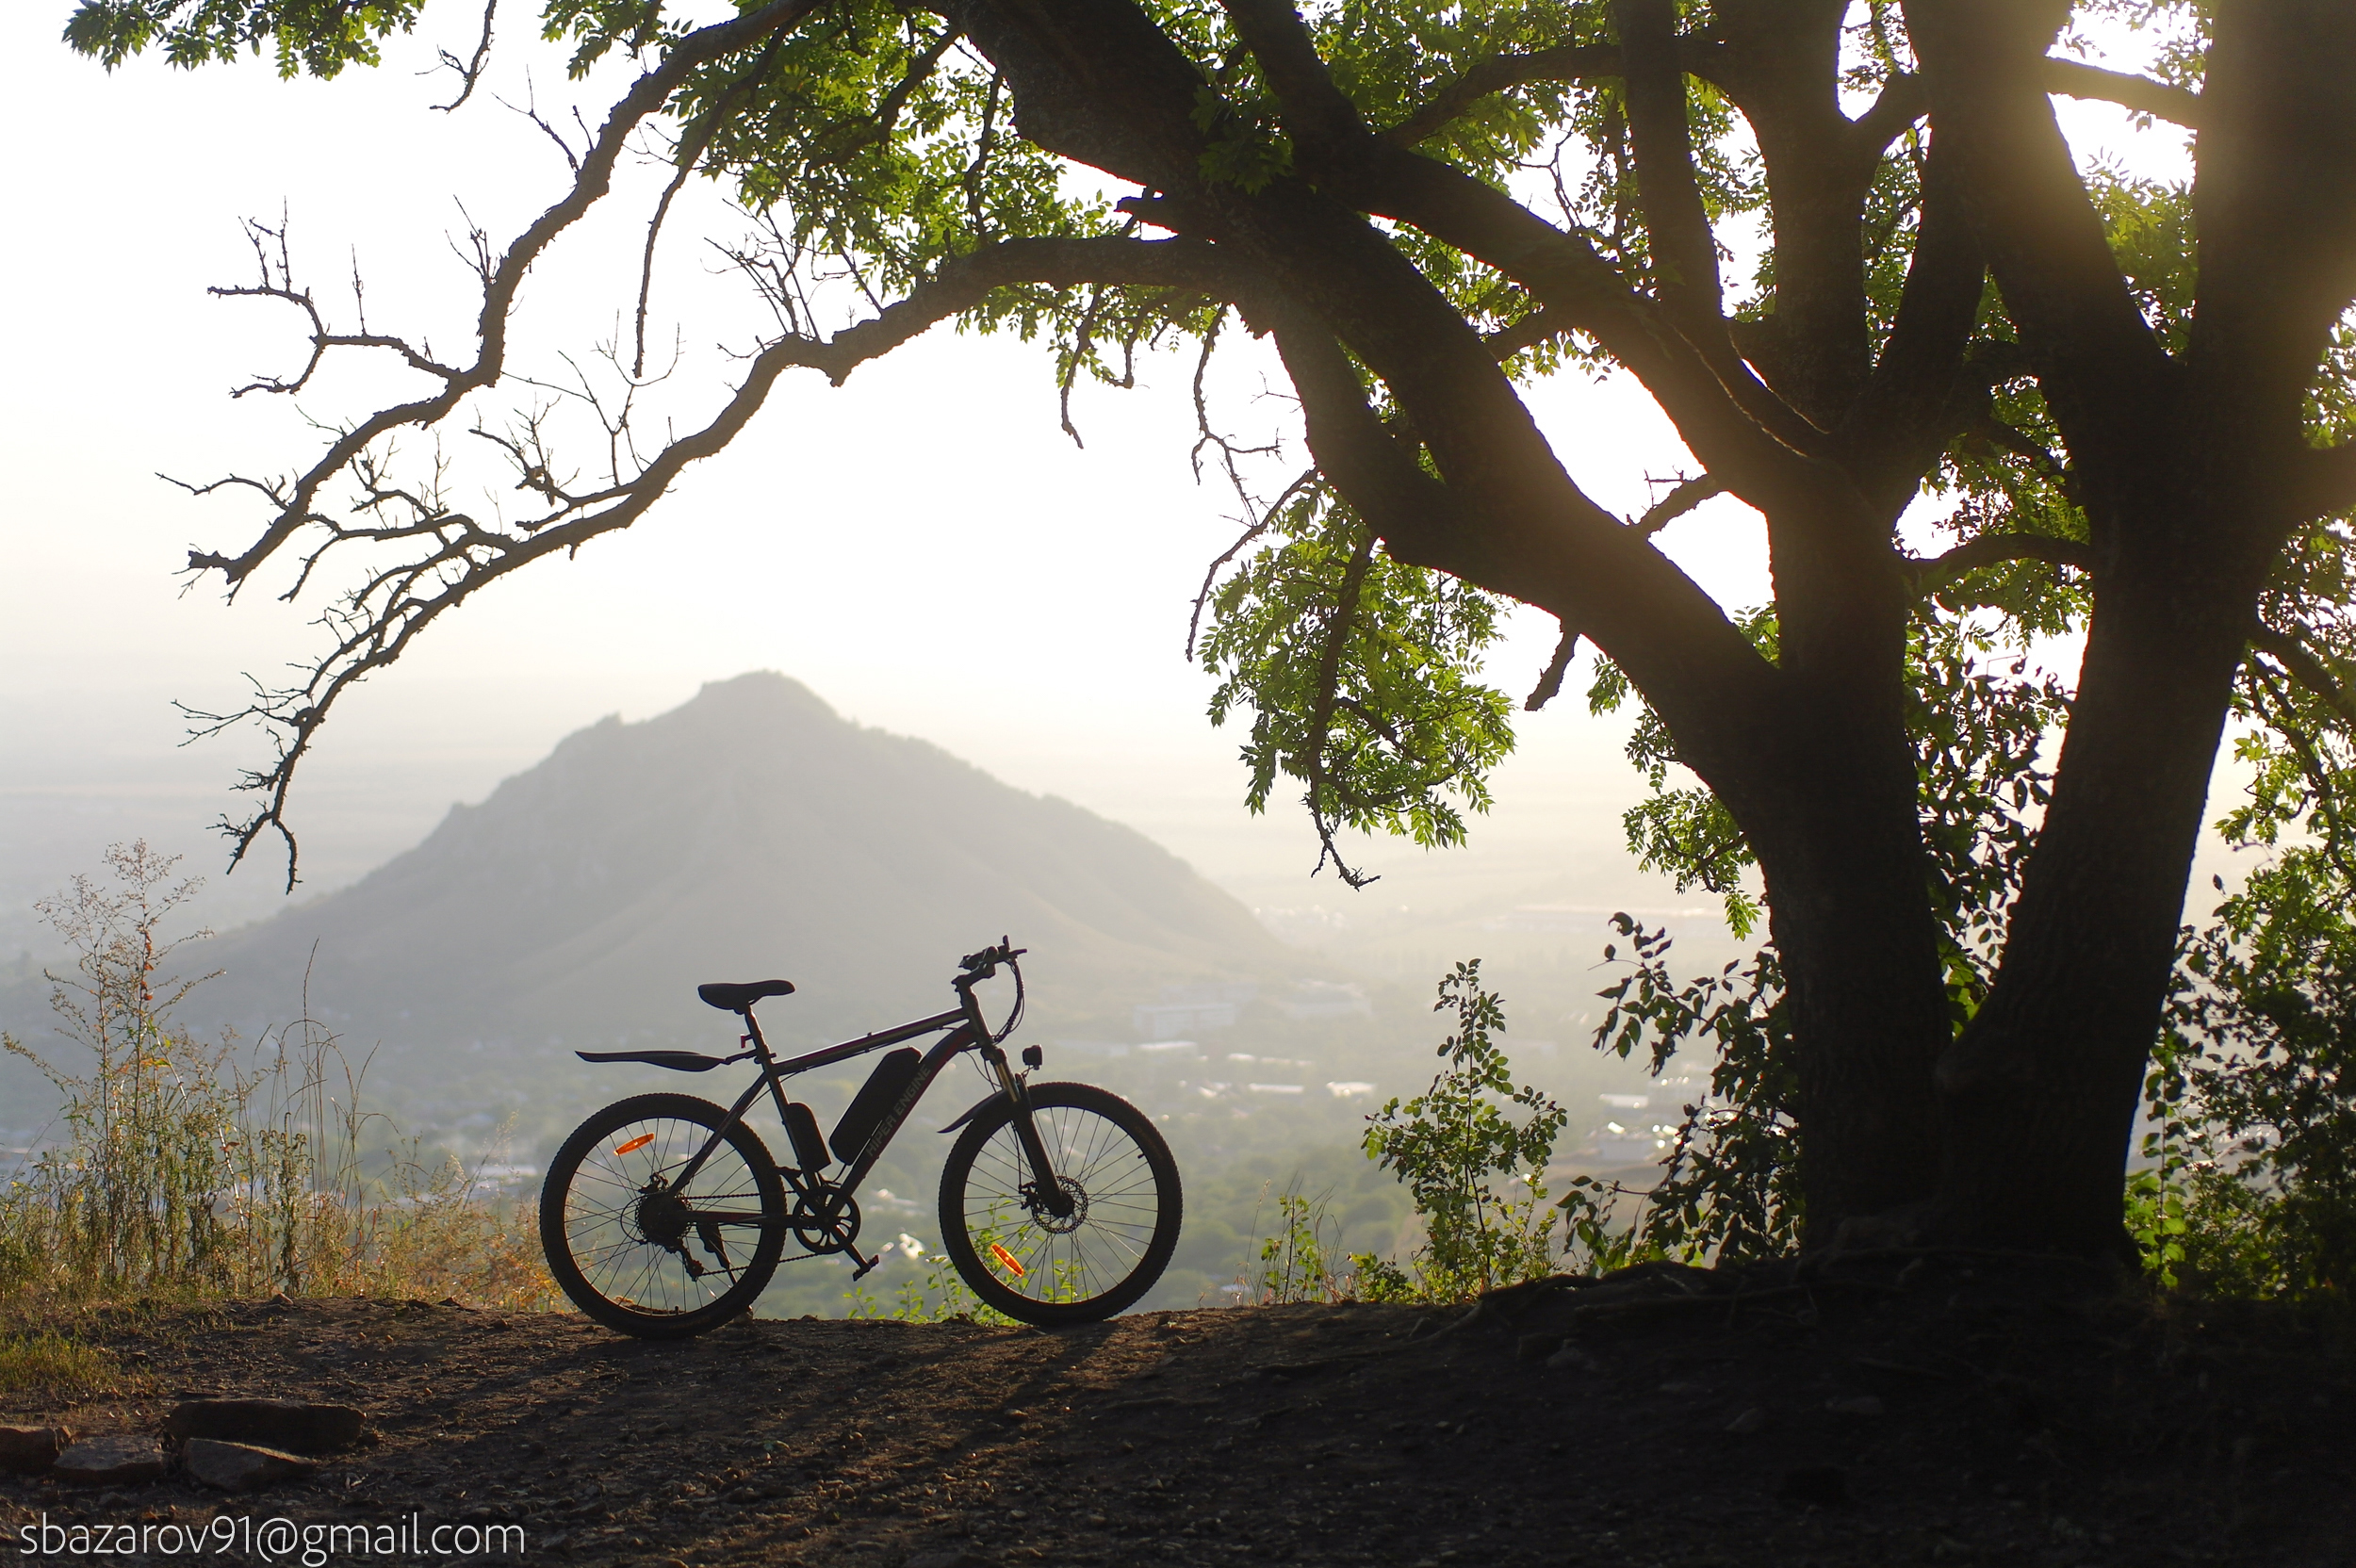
1898, 1410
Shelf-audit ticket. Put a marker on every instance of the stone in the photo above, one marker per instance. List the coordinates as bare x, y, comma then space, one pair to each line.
1537, 1346
30, 1451
240, 1467
1855, 1404
1751, 1420
285, 1424
120, 1460
1570, 1358
946, 1559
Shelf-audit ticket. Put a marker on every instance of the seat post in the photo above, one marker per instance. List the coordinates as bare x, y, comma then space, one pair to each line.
768, 1063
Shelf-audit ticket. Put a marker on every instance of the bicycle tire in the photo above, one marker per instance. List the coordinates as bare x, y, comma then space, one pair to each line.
1116, 1159
594, 1217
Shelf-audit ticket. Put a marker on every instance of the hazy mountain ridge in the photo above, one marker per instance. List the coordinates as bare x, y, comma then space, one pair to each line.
750, 832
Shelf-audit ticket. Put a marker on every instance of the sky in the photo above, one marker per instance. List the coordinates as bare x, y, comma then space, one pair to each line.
922, 546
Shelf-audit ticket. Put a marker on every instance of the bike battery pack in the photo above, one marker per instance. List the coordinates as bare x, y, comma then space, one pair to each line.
875, 1100
801, 1125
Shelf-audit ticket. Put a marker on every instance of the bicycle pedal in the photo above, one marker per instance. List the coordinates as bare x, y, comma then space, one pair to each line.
864, 1265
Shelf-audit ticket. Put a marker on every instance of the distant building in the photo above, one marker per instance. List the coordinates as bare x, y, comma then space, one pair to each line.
1185, 1010
1325, 999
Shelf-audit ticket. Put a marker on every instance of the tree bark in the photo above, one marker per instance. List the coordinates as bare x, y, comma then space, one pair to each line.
1843, 861
2039, 1095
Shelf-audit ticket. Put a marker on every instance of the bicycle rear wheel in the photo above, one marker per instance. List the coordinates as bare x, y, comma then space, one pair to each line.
639, 1251
1027, 1262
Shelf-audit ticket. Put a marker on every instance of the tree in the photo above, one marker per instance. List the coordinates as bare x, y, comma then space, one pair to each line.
2141, 429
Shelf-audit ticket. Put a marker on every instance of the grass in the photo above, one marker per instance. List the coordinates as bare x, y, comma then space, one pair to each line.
191, 1171
47, 1367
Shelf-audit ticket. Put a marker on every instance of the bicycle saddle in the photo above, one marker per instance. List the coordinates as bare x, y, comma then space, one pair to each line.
735, 998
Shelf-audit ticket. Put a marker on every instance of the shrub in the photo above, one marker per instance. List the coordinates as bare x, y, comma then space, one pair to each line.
1449, 1145
2252, 1095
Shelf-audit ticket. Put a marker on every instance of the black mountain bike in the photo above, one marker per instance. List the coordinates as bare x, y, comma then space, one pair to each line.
664, 1215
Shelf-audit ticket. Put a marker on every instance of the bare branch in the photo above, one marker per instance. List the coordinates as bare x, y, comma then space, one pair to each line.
1550, 682
1688, 495
1308, 481
690, 152
374, 622
470, 72
645, 97
1321, 715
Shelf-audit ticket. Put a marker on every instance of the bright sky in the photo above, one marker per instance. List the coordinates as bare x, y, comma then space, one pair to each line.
922, 546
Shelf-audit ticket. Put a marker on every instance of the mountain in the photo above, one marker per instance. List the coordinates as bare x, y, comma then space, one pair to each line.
751, 832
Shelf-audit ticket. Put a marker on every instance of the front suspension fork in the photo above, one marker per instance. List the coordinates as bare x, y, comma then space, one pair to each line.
1044, 1178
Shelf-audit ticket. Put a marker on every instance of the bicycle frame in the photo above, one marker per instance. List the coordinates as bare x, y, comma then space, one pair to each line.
967, 1031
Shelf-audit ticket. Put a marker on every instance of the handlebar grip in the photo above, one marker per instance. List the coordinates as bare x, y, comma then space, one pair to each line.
982, 965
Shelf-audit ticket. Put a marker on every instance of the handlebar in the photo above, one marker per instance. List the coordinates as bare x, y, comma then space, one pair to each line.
982, 965
979, 967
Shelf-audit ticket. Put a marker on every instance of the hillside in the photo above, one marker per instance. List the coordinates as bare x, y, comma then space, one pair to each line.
750, 832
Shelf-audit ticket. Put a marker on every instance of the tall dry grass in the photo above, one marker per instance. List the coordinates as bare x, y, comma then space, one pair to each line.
186, 1171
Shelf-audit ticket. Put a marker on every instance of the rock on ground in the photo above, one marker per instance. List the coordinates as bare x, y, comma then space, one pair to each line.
306, 1428
240, 1467
29, 1450
120, 1460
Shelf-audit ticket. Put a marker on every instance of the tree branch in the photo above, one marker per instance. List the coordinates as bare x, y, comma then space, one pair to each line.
1570, 62
2077, 79
456, 556
1902, 419
1737, 428
1550, 680
2324, 480
592, 181
1988, 548
1688, 495
1321, 119
2103, 372
469, 70
1901, 102
1685, 253
2292, 654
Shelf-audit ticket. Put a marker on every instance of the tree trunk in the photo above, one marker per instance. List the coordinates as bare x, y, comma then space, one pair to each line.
1843, 859
2040, 1096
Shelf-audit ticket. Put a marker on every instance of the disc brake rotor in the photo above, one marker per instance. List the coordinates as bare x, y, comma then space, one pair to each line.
1054, 1223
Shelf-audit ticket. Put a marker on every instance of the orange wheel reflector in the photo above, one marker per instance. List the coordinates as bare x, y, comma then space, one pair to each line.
1007, 1259
639, 1142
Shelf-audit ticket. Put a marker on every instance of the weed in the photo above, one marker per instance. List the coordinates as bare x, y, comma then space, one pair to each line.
192, 1171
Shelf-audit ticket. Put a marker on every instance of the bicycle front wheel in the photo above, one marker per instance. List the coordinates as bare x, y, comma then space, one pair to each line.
1026, 1261
641, 1249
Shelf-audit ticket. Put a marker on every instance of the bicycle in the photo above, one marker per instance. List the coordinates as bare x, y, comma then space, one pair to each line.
1060, 1202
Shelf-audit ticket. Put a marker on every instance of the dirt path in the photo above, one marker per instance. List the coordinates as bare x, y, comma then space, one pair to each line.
1903, 1419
